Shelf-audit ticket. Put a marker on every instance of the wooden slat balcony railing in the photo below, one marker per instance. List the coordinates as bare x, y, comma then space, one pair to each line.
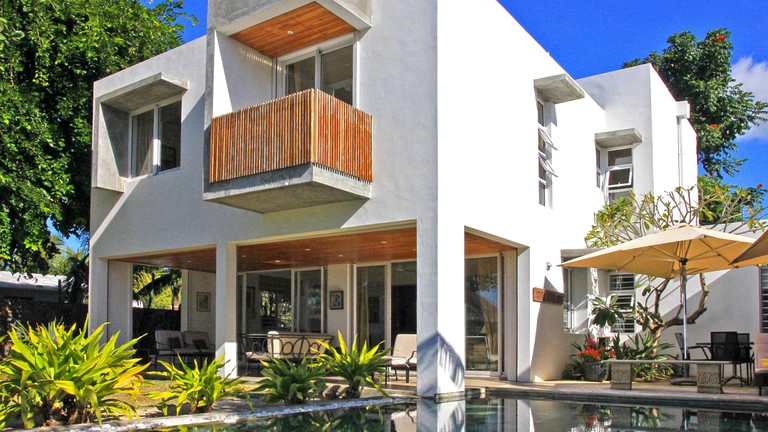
310, 127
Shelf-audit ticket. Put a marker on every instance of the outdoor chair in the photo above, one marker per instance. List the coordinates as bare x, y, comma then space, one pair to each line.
681, 343
725, 347
760, 374
403, 356
198, 340
170, 343
253, 349
745, 355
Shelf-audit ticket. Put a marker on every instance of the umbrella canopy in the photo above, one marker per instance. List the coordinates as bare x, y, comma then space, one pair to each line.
675, 252
756, 253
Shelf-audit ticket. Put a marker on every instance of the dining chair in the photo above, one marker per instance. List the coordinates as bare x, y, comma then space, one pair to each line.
725, 347
745, 355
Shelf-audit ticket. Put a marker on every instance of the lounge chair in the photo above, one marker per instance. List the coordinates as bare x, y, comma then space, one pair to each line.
403, 356
198, 340
170, 343
761, 361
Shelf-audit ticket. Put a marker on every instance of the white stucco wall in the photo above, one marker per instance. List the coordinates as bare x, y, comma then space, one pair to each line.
454, 149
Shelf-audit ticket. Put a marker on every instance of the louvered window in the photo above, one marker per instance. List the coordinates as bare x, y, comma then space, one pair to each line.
622, 286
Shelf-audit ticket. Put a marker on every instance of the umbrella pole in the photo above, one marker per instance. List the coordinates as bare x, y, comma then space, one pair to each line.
684, 294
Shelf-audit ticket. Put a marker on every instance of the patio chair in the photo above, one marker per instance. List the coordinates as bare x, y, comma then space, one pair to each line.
198, 340
725, 347
745, 355
760, 378
253, 349
680, 343
170, 343
403, 356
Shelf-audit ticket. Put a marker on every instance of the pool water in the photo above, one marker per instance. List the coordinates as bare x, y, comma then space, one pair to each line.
499, 414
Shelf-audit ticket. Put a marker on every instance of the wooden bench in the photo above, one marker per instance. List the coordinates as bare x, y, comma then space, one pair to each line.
709, 379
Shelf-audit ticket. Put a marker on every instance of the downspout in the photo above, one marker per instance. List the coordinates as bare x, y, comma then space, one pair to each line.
683, 112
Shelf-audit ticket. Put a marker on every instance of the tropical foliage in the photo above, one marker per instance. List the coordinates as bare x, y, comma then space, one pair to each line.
158, 288
51, 52
357, 366
633, 217
699, 71
56, 375
292, 383
199, 386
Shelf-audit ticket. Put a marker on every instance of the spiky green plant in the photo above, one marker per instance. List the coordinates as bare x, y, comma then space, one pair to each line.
356, 366
200, 386
54, 375
291, 383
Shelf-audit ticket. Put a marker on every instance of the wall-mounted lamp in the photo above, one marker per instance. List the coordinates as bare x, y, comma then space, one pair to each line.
549, 265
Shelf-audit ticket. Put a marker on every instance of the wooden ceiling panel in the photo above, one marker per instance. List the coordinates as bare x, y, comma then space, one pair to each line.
373, 246
300, 28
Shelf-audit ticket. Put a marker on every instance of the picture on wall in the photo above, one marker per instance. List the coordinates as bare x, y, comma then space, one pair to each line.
203, 301
336, 300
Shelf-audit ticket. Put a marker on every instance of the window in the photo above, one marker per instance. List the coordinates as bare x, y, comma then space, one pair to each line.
622, 286
545, 149
618, 174
327, 70
156, 139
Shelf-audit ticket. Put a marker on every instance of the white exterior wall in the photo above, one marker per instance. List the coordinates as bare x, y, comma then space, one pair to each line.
448, 156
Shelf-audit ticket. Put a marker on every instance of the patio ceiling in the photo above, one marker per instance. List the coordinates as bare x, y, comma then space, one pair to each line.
372, 246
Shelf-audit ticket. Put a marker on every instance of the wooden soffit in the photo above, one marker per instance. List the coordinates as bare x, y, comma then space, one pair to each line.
300, 28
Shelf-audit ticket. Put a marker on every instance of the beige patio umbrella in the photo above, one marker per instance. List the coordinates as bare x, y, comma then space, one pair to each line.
675, 252
754, 254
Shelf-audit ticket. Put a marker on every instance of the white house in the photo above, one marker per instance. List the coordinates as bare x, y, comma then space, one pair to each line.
331, 165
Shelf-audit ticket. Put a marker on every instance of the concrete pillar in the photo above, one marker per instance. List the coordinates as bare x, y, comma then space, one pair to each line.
225, 302
110, 298
524, 322
186, 300
440, 309
510, 328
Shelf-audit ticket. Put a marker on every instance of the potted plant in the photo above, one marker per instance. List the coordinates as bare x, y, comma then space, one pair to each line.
592, 357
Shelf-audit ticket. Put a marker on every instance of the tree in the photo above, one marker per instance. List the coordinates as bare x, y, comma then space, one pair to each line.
699, 71
74, 265
51, 52
158, 287
629, 218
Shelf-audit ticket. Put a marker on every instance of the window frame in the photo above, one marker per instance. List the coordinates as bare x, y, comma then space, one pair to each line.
316, 51
610, 191
545, 156
156, 141
628, 325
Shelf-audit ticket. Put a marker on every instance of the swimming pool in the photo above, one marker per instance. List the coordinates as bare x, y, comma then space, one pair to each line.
502, 414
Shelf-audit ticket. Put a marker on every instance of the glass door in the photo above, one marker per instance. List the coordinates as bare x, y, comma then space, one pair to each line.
482, 300
371, 304
403, 298
308, 301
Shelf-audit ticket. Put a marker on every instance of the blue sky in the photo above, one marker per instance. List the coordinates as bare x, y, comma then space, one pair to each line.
589, 37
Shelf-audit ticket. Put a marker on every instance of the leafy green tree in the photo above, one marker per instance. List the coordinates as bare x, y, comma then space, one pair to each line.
158, 288
74, 265
51, 52
699, 71
631, 217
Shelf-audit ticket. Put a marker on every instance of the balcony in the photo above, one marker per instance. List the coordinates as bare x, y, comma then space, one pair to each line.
302, 150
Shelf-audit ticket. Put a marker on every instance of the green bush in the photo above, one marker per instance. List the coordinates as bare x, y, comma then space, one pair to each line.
54, 375
356, 366
200, 386
644, 346
291, 383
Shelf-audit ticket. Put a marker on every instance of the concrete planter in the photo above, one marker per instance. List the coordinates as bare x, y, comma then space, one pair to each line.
595, 371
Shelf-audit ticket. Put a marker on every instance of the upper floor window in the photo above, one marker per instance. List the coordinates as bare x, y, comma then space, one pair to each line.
545, 150
156, 139
618, 173
329, 70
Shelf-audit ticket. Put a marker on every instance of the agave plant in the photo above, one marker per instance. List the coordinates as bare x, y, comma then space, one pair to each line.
54, 375
356, 366
291, 383
199, 385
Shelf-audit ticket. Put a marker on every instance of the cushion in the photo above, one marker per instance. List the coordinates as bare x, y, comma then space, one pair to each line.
200, 344
174, 342
764, 363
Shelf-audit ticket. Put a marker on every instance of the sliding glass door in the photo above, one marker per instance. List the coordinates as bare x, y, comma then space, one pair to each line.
308, 301
482, 299
371, 287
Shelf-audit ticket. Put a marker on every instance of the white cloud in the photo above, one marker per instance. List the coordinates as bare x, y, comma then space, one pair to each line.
754, 75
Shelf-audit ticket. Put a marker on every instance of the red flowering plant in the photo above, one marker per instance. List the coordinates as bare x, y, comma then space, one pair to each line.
593, 351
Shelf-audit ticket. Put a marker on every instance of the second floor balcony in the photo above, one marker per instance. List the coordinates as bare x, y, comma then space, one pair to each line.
302, 150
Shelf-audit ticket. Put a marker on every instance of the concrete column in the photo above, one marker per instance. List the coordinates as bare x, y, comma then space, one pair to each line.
225, 302
510, 328
524, 322
186, 300
440, 309
110, 298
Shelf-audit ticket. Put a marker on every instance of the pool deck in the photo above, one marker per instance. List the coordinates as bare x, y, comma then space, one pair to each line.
734, 397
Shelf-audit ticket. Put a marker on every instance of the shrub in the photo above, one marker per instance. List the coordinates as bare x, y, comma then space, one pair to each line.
357, 367
291, 383
199, 386
54, 375
644, 346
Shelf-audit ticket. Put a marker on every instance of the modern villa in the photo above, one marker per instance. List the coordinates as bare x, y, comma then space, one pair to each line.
337, 165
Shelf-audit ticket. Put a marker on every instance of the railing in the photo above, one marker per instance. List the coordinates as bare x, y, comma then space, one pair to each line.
302, 128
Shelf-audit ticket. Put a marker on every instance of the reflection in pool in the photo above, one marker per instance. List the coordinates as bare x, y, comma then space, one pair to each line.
499, 414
